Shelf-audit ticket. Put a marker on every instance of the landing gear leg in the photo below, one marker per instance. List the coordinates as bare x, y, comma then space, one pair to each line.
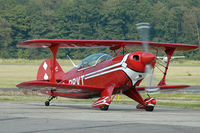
47, 103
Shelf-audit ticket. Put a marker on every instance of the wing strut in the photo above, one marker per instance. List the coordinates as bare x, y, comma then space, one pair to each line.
169, 53
54, 50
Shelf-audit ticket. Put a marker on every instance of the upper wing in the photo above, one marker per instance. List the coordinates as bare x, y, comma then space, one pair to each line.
112, 44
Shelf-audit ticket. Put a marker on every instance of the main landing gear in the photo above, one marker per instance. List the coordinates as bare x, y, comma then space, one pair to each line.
150, 104
47, 103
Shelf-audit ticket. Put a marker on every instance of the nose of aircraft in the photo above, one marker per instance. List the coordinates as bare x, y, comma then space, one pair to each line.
148, 58
137, 61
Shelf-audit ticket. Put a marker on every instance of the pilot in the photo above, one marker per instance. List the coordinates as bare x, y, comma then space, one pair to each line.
85, 63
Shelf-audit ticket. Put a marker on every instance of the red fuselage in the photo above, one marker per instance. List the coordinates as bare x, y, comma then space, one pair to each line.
120, 72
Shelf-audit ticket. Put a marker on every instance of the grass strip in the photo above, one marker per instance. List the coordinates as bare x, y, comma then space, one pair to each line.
189, 101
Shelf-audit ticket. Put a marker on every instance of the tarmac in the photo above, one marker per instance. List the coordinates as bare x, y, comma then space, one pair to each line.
34, 117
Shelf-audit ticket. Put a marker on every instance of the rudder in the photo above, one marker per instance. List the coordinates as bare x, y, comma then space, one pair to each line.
44, 71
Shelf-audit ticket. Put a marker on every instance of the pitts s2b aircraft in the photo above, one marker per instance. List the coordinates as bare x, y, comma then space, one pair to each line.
101, 75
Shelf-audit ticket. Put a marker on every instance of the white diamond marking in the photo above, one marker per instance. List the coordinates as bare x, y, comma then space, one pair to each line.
56, 68
46, 77
45, 66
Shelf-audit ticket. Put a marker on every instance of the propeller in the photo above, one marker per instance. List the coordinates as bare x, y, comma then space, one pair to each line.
143, 29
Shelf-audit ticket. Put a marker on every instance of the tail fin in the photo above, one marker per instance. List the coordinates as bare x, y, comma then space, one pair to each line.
44, 71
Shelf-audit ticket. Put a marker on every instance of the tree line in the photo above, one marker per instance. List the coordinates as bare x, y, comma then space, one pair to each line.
171, 21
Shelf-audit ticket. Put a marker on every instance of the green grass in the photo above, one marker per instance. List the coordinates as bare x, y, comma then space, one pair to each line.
180, 104
182, 75
190, 101
185, 62
179, 100
30, 98
188, 75
183, 96
14, 71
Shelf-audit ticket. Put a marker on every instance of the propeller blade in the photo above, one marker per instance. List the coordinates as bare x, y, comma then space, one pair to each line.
148, 71
143, 29
150, 78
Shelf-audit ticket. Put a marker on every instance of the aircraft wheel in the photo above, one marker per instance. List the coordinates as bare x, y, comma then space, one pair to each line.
47, 103
104, 108
149, 108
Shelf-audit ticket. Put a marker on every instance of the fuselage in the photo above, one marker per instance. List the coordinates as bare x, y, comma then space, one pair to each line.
121, 72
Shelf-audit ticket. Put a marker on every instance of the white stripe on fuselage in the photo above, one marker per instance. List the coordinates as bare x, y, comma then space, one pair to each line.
134, 76
109, 67
102, 73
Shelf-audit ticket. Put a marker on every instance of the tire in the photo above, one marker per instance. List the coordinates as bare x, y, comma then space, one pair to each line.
47, 103
104, 108
149, 108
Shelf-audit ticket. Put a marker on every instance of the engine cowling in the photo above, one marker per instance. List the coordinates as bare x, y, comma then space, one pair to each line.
138, 60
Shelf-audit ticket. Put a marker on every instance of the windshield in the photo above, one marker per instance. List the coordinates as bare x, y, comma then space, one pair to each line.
94, 59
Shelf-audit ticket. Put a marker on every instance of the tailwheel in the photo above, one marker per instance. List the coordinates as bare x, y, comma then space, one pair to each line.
104, 108
47, 103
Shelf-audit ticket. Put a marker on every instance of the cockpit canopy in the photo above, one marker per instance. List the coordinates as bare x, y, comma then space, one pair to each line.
93, 60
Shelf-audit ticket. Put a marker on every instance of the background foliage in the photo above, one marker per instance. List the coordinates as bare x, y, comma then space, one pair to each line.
171, 21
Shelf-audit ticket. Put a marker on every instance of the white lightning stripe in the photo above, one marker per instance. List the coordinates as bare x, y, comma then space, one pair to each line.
151, 105
149, 100
130, 73
109, 67
100, 102
112, 70
115, 65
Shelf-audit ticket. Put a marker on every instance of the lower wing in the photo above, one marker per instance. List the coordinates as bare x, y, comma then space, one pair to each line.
65, 90
164, 87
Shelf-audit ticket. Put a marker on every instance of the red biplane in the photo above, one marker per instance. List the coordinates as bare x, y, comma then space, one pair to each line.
101, 75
